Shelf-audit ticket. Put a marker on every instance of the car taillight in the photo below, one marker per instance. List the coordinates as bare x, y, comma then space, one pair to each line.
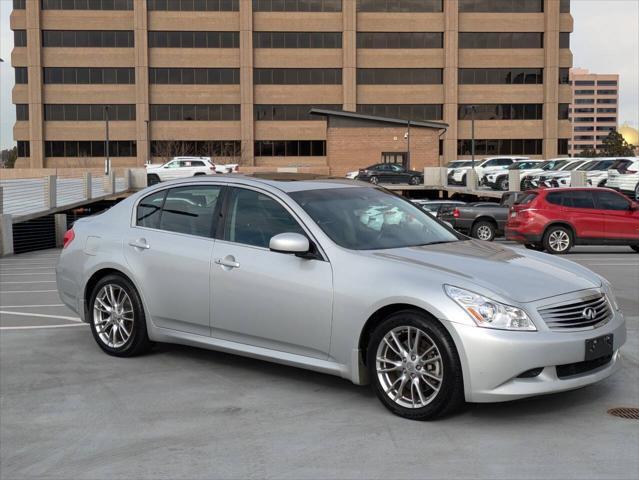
236, 168
68, 238
626, 172
456, 213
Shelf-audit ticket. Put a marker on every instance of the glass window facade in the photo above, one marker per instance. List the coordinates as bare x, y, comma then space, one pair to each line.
297, 76
403, 111
24, 148
89, 148
89, 75
501, 76
402, 6
502, 6
200, 148
501, 40
297, 5
22, 112
290, 148
184, 39
88, 38
194, 5
290, 112
194, 76
297, 39
89, 113
501, 147
505, 111
563, 111
399, 76
19, 38
199, 112
400, 40
87, 4
21, 75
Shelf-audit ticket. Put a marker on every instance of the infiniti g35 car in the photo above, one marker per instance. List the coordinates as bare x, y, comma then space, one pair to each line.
339, 277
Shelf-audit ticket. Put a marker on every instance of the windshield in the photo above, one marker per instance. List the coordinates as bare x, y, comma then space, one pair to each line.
459, 164
573, 166
371, 219
553, 164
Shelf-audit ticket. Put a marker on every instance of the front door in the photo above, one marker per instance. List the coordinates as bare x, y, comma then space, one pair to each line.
169, 251
620, 221
264, 298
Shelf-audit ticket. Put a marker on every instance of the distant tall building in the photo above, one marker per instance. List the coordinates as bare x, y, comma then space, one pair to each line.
594, 109
238, 77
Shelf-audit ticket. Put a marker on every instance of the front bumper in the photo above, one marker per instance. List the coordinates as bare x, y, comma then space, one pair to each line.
494, 359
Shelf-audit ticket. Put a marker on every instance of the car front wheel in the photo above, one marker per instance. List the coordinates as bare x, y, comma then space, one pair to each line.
414, 180
374, 180
558, 240
116, 317
503, 184
414, 367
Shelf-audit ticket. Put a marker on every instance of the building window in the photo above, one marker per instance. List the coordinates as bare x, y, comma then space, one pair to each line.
584, 92
399, 76
563, 110
584, 138
501, 147
87, 4
606, 129
89, 148
606, 92
607, 83
195, 6
612, 101
297, 5
584, 83
297, 40
200, 148
290, 112
89, 113
19, 5
400, 6
562, 146
22, 75
584, 101
22, 112
194, 39
501, 40
606, 119
501, 76
584, 129
584, 119
564, 39
584, 110
297, 76
502, 6
88, 38
606, 110
507, 111
403, 111
194, 76
400, 40
19, 38
86, 75
200, 113
564, 76
24, 148
564, 6
290, 148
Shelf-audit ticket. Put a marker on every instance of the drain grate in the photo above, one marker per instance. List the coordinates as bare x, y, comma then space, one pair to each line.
631, 413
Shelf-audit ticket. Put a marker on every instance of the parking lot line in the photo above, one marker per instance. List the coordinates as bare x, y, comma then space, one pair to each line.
42, 315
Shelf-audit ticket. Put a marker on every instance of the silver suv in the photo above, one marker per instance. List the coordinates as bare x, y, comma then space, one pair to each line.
343, 278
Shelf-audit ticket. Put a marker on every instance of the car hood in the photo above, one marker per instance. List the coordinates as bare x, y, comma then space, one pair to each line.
516, 274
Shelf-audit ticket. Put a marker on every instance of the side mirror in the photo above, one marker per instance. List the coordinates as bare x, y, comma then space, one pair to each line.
289, 243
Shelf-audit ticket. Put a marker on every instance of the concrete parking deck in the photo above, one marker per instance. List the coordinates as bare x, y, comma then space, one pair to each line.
70, 411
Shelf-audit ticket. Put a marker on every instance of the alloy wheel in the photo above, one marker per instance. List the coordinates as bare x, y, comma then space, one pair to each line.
484, 232
374, 180
559, 240
409, 367
113, 315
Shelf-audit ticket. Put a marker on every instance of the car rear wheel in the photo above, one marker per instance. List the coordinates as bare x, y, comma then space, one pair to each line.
558, 240
483, 230
199, 174
374, 180
503, 184
152, 179
116, 317
414, 180
414, 367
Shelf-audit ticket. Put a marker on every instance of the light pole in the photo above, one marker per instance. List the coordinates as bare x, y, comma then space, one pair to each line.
473, 109
408, 147
148, 141
107, 160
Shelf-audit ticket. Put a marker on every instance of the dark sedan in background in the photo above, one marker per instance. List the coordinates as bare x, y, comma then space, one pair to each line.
390, 173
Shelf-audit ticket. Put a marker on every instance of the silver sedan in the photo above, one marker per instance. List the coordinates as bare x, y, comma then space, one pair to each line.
342, 278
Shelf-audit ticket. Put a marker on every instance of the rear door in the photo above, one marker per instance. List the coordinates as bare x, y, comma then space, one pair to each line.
580, 210
620, 222
169, 249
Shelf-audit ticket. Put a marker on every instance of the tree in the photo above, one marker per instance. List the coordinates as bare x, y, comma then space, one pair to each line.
614, 145
8, 157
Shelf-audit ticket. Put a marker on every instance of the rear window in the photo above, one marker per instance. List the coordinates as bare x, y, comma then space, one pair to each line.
524, 199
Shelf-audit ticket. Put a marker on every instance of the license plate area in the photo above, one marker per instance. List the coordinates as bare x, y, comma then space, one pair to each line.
599, 347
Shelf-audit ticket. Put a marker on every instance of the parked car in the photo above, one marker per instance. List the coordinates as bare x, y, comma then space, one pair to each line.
596, 173
626, 181
436, 206
390, 173
538, 180
227, 168
352, 175
457, 164
599, 177
179, 167
458, 175
481, 220
307, 274
554, 164
499, 180
557, 219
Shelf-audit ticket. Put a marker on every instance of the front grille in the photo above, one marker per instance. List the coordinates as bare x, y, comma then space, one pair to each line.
572, 369
588, 313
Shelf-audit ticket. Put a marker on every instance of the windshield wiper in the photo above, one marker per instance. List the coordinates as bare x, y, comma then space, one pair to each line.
438, 242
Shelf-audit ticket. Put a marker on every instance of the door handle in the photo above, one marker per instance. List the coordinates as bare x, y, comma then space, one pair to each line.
228, 261
140, 243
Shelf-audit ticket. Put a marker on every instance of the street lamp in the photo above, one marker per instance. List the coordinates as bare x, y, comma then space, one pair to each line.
148, 141
107, 160
408, 147
473, 110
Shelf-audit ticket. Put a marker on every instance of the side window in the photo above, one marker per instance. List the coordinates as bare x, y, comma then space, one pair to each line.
197, 164
556, 198
579, 199
190, 210
148, 211
491, 163
505, 162
174, 164
254, 218
611, 201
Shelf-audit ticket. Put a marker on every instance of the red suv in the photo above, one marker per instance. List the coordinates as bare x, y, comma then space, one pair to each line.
555, 219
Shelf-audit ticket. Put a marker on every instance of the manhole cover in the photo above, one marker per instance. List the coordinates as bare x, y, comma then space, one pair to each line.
625, 412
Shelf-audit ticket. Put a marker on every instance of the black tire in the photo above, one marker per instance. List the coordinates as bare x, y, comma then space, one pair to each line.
152, 179
450, 395
503, 184
635, 248
414, 180
463, 180
138, 341
534, 246
602, 183
556, 236
374, 180
199, 174
484, 230
637, 192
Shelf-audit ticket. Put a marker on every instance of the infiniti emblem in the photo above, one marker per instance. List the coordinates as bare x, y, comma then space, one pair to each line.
589, 313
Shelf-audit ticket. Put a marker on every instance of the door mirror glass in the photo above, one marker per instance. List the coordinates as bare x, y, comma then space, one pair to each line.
289, 243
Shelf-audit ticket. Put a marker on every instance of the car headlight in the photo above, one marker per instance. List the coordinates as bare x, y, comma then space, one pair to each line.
489, 313
607, 288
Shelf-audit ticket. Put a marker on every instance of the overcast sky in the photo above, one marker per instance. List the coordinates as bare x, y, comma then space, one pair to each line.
605, 40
